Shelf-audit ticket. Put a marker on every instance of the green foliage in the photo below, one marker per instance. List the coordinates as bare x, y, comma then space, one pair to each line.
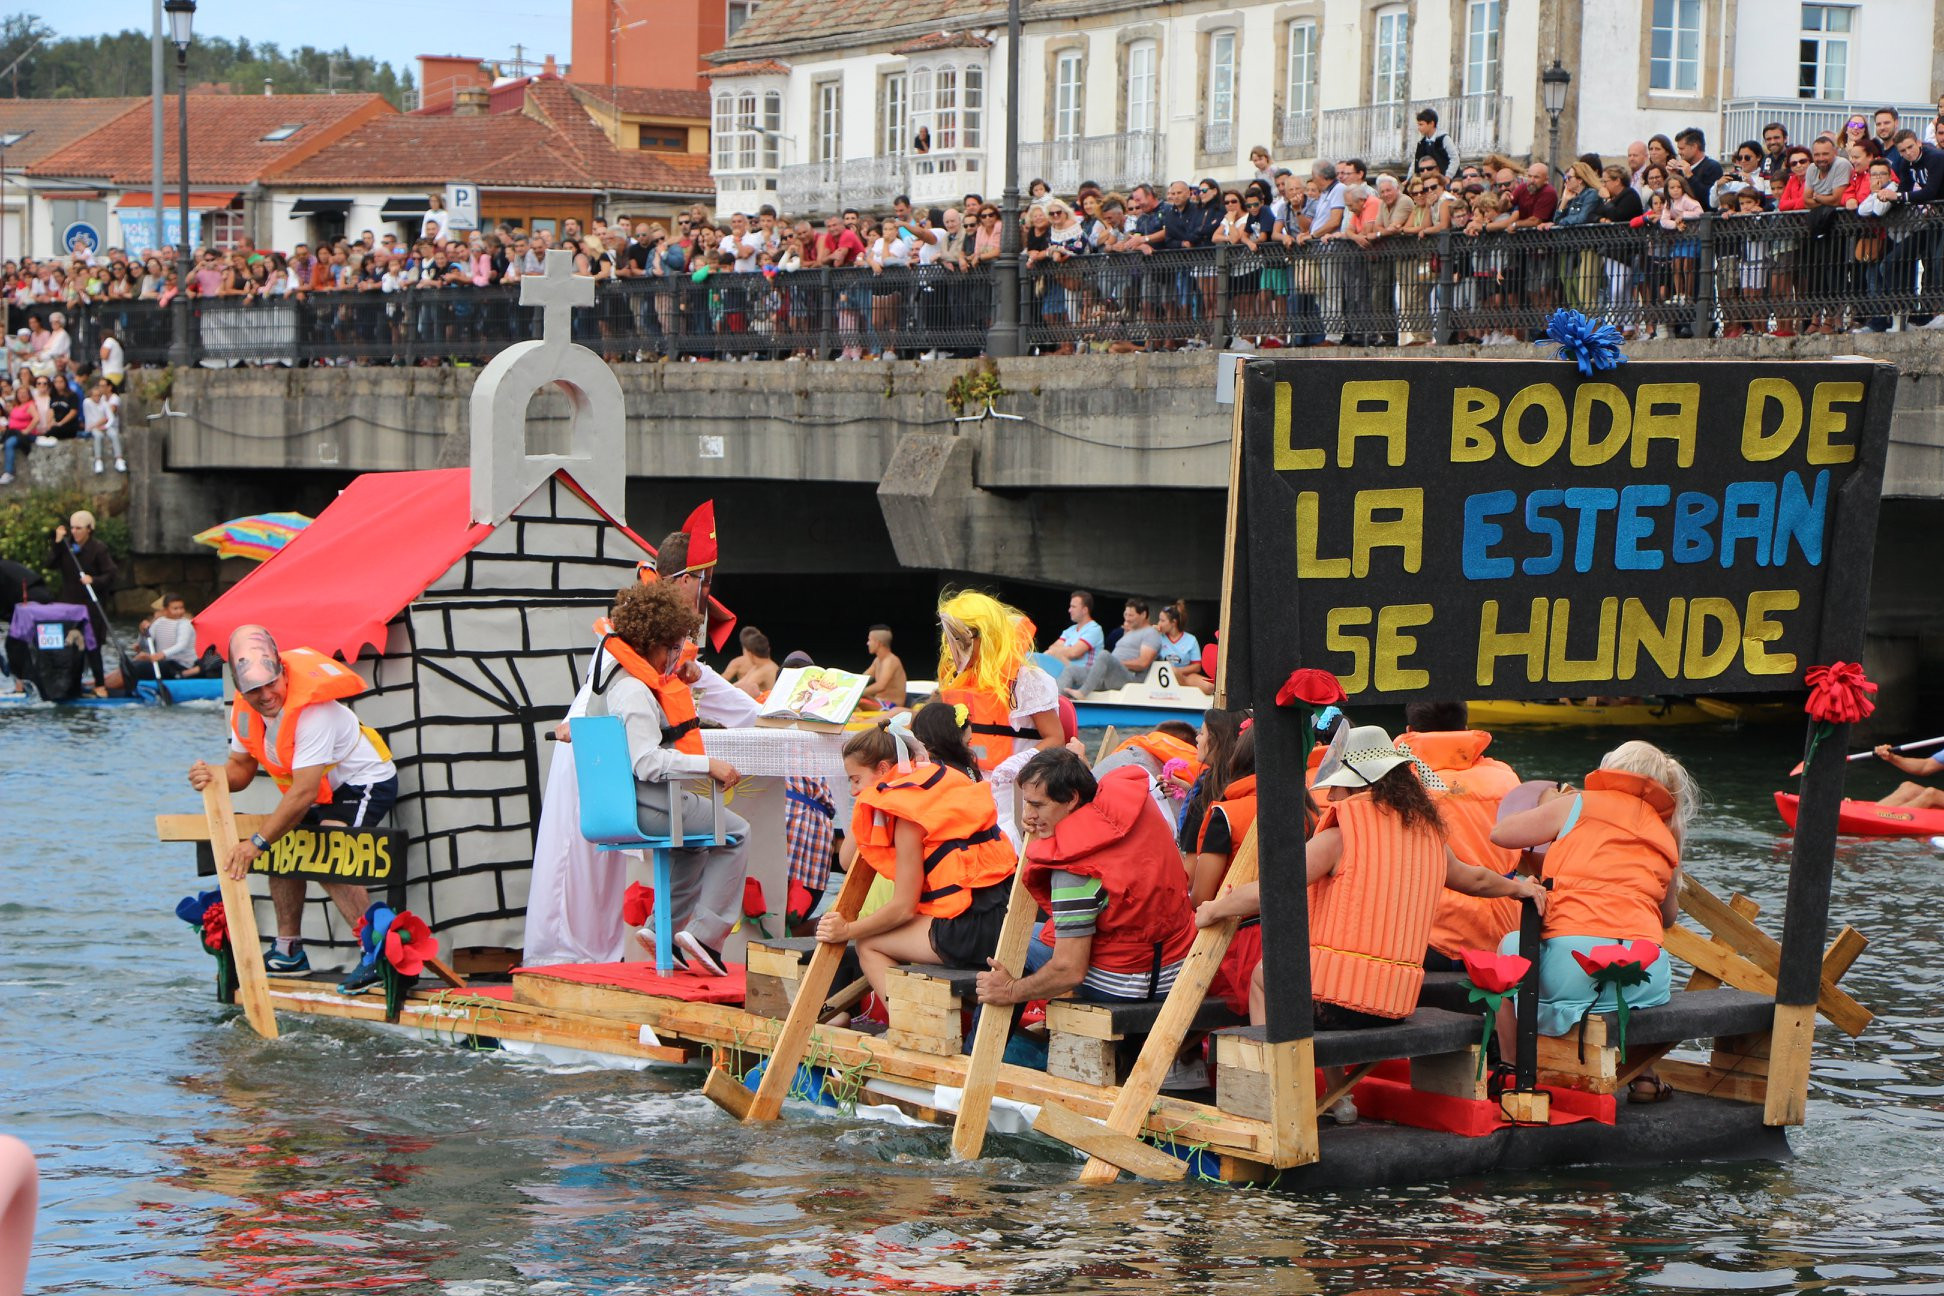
975, 389
117, 64
28, 519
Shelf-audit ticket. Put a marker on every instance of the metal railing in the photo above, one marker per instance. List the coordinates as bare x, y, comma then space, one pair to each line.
1385, 135
1297, 132
1218, 138
1114, 161
1804, 119
1373, 132
869, 184
1781, 273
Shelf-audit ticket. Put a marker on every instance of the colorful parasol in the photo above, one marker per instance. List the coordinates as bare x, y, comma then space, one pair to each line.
255, 537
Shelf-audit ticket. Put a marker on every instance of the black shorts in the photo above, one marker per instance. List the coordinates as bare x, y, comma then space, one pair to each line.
1334, 1017
968, 940
357, 806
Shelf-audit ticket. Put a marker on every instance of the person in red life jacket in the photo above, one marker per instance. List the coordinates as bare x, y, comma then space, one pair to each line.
1436, 735
1375, 866
635, 679
935, 834
1012, 705
289, 719
1102, 861
1614, 860
1168, 756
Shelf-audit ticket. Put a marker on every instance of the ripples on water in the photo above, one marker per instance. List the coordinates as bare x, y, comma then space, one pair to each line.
182, 1154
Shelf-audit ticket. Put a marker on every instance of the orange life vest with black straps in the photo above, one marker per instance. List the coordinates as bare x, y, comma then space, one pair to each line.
989, 730
1238, 806
311, 677
1370, 917
1164, 747
1475, 784
1612, 869
964, 851
680, 728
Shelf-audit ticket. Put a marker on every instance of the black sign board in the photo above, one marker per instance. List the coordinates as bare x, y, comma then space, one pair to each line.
1512, 529
366, 857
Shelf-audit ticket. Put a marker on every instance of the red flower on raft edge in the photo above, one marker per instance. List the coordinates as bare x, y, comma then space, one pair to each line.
1623, 965
799, 905
1311, 686
1839, 693
409, 943
637, 904
215, 928
1494, 973
754, 905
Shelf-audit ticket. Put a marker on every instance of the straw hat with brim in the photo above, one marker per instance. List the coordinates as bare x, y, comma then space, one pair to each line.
1368, 755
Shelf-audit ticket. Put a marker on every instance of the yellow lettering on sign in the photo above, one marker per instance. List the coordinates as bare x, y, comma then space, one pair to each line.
1759, 446
1471, 409
1826, 421
1563, 669
1404, 532
1666, 412
1546, 398
1391, 399
1661, 643
1585, 452
1288, 457
384, 858
1335, 639
1698, 661
1393, 646
1308, 565
1529, 643
1760, 629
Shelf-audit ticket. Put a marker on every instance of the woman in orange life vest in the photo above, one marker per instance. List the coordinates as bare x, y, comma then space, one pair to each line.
1614, 861
935, 834
1437, 735
1214, 748
641, 685
1375, 866
1013, 706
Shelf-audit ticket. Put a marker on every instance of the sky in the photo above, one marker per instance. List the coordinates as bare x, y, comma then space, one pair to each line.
389, 31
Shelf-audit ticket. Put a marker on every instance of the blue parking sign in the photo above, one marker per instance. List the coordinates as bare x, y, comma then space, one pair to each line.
81, 238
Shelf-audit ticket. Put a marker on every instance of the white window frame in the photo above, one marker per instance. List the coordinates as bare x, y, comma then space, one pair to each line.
1069, 95
1679, 24
972, 113
772, 121
945, 109
896, 129
829, 118
1218, 114
1823, 39
1390, 55
1484, 38
735, 14
1143, 86
722, 132
1299, 74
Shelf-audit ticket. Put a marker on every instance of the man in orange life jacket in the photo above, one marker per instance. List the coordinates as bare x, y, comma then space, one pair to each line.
289, 719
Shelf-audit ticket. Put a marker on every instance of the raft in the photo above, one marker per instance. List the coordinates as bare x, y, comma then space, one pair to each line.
1629, 715
1869, 819
147, 693
1140, 704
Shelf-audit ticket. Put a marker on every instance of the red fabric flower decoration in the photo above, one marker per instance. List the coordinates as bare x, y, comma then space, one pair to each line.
754, 906
800, 903
1839, 693
637, 905
1494, 974
1311, 686
215, 929
408, 943
1618, 960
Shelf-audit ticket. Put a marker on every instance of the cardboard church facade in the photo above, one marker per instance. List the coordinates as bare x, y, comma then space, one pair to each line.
466, 597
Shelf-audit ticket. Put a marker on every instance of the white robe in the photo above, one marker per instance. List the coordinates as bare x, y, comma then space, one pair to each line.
574, 899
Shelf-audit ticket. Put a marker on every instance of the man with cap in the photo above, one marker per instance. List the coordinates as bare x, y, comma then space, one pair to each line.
87, 571
687, 559
289, 718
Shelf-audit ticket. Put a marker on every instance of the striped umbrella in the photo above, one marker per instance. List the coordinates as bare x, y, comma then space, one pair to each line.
255, 537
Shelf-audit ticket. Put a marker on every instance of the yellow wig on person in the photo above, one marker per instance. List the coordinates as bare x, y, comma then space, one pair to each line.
1004, 635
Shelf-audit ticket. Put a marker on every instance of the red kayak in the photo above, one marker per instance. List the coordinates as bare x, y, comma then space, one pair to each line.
1868, 819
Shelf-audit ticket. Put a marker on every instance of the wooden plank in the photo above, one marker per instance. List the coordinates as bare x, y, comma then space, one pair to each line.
920, 989
440, 1019
446, 974
922, 1019
848, 996
1083, 1058
1171, 1027
1765, 952
1103, 1144
1106, 744
1843, 952
785, 965
1456, 1075
1712, 957
1335, 1094
1232, 527
728, 1093
1636, 1065
195, 827
989, 1037
1560, 1064
921, 1043
1747, 908
1243, 1092
1292, 1102
1787, 1099
1689, 1077
808, 1004
768, 996
1526, 1108
246, 947
1068, 1017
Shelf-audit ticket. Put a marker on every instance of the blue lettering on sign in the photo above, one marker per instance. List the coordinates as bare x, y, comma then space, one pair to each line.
1630, 528
1800, 516
1481, 535
1694, 513
1747, 513
1539, 524
1590, 501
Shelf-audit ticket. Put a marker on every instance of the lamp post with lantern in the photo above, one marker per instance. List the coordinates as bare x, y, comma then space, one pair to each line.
181, 14
1552, 85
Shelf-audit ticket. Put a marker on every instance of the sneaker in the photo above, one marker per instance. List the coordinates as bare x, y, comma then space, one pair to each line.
1344, 1112
363, 977
699, 957
1935, 322
97, 467
45, 441
121, 465
291, 964
1186, 1074
6, 479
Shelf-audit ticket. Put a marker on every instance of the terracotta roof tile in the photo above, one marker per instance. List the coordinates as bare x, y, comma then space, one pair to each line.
822, 22
944, 40
53, 124
226, 137
649, 101
753, 67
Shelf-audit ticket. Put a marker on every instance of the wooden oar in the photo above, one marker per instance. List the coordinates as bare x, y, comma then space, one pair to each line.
808, 1005
995, 1023
1919, 745
246, 947
1106, 744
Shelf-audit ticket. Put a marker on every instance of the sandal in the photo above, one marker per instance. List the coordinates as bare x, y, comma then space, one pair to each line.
1657, 1090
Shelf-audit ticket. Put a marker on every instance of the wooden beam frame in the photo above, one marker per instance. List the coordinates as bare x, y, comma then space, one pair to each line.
995, 1023
239, 909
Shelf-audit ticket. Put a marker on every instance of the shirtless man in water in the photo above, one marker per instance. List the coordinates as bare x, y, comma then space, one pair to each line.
754, 672
887, 686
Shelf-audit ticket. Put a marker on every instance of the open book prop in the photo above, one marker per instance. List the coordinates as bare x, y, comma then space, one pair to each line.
812, 697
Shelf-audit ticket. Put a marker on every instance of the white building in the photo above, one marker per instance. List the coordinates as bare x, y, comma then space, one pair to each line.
817, 104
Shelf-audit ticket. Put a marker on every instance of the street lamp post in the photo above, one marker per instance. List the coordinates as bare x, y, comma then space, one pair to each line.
1552, 84
182, 14
1003, 340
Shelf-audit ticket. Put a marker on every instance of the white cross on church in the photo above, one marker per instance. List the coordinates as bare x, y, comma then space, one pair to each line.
556, 291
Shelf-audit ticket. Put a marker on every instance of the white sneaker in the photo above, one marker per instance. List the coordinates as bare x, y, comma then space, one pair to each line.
45, 441
1186, 1074
1936, 322
696, 955
121, 465
1344, 1112
97, 467
6, 479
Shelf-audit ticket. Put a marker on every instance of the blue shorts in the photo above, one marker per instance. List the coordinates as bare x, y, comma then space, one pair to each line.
355, 806
1566, 993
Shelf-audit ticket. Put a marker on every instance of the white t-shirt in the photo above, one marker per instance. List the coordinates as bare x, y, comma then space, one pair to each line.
328, 734
749, 252
112, 363
1034, 691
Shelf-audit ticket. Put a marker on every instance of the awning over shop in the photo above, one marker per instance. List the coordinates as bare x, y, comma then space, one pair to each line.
405, 209
197, 201
321, 207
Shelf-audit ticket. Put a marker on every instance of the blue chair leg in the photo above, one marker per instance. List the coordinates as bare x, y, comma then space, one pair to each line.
664, 922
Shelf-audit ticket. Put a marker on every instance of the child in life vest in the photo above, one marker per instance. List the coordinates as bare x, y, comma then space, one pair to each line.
1614, 860
1168, 755
935, 834
637, 679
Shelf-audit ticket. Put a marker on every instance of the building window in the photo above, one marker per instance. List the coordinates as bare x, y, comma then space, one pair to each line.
1068, 87
772, 124
1825, 51
746, 131
724, 131
740, 12
945, 110
1390, 67
662, 139
895, 117
973, 120
1299, 93
1674, 47
222, 229
1218, 130
1482, 47
830, 121
1142, 82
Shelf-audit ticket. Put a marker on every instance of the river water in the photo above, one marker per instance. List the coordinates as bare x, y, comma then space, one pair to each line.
181, 1154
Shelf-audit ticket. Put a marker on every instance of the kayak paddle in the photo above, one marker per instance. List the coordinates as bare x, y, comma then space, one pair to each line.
1919, 745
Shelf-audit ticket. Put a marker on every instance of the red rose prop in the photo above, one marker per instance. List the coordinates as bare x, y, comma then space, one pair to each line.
409, 943
1839, 693
1618, 966
215, 929
637, 905
799, 904
754, 906
1311, 686
1494, 973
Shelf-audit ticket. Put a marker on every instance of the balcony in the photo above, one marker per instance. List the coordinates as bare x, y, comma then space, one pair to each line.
1296, 134
936, 179
1743, 119
1385, 135
1114, 161
940, 179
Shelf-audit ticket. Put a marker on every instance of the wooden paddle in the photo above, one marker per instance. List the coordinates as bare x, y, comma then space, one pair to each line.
995, 1023
808, 1004
1106, 744
246, 947
1919, 745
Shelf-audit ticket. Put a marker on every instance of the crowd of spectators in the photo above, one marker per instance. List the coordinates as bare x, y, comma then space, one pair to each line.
1336, 254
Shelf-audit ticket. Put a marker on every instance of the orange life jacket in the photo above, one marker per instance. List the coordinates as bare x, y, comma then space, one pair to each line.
989, 730
680, 729
312, 677
1475, 784
1610, 872
1164, 748
964, 851
1121, 838
1369, 919
1238, 806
